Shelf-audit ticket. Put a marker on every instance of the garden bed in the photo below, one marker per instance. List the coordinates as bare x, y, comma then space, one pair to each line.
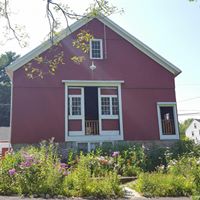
38, 171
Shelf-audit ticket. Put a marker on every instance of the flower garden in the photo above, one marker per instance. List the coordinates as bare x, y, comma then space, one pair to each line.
41, 172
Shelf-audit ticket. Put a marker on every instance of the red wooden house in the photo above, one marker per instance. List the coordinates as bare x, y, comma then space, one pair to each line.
123, 90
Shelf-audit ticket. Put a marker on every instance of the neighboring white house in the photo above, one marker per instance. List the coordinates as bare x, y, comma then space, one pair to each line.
193, 131
4, 138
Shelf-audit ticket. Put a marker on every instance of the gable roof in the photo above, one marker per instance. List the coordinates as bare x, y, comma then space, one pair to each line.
78, 24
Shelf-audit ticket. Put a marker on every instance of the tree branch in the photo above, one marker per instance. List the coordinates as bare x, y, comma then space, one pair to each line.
9, 23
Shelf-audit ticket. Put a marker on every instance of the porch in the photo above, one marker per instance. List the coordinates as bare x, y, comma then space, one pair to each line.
93, 111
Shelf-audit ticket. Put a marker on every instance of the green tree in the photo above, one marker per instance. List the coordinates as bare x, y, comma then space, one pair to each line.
183, 126
5, 87
5, 60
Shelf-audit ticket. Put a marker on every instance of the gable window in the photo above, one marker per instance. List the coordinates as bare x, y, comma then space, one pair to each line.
109, 106
96, 49
195, 126
167, 118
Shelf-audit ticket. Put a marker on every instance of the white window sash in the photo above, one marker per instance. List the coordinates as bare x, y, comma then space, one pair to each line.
71, 116
101, 48
111, 116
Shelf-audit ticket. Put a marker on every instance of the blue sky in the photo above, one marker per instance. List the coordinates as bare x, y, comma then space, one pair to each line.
171, 28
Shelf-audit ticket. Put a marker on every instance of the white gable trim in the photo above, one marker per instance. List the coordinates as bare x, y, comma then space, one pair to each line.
134, 41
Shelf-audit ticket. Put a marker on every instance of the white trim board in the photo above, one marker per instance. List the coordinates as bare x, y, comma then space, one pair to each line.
78, 24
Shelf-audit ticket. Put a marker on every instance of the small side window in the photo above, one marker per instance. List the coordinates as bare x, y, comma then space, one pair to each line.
192, 133
167, 118
96, 49
195, 126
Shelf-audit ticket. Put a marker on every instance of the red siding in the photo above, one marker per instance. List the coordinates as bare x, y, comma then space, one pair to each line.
110, 124
75, 125
109, 91
38, 104
74, 91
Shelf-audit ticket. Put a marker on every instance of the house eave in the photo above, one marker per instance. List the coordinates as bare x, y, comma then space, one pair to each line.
47, 44
10, 73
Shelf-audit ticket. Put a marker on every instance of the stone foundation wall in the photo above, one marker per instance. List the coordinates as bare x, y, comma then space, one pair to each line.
65, 147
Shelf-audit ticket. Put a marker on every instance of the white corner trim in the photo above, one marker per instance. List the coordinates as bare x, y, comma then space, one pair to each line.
66, 112
121, 129
78, 24
168, 137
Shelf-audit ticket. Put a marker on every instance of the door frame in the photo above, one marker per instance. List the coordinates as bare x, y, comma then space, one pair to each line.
99, 83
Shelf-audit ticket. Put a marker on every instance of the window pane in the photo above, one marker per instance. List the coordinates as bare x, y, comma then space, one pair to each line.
105, 105
96, 49
167, 120
76, 106
115, 107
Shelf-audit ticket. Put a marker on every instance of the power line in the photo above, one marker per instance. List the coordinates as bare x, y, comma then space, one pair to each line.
189, 99
197, 113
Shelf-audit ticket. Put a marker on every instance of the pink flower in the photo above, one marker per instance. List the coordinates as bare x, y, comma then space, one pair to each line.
66, 173
12, 171
25, 164
28, 158
115, 154
102, 160
63, 165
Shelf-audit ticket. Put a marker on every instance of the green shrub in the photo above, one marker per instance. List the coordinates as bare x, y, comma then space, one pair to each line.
32, 171
184, 147
155, 156
185, 166
38, 171
7, 182
80, 182
161, 185
125, 159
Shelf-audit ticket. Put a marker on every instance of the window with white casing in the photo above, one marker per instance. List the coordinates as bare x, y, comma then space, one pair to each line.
74, 106
167, 118
96, 49
109, 106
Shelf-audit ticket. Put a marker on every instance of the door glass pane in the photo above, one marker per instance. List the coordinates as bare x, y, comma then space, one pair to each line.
76, 105
105, 105
167, 120
115, 107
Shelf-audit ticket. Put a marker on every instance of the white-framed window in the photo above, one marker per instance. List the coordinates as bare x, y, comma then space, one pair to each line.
192, 133
96, 49
168, 122
75, 104
109, 106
